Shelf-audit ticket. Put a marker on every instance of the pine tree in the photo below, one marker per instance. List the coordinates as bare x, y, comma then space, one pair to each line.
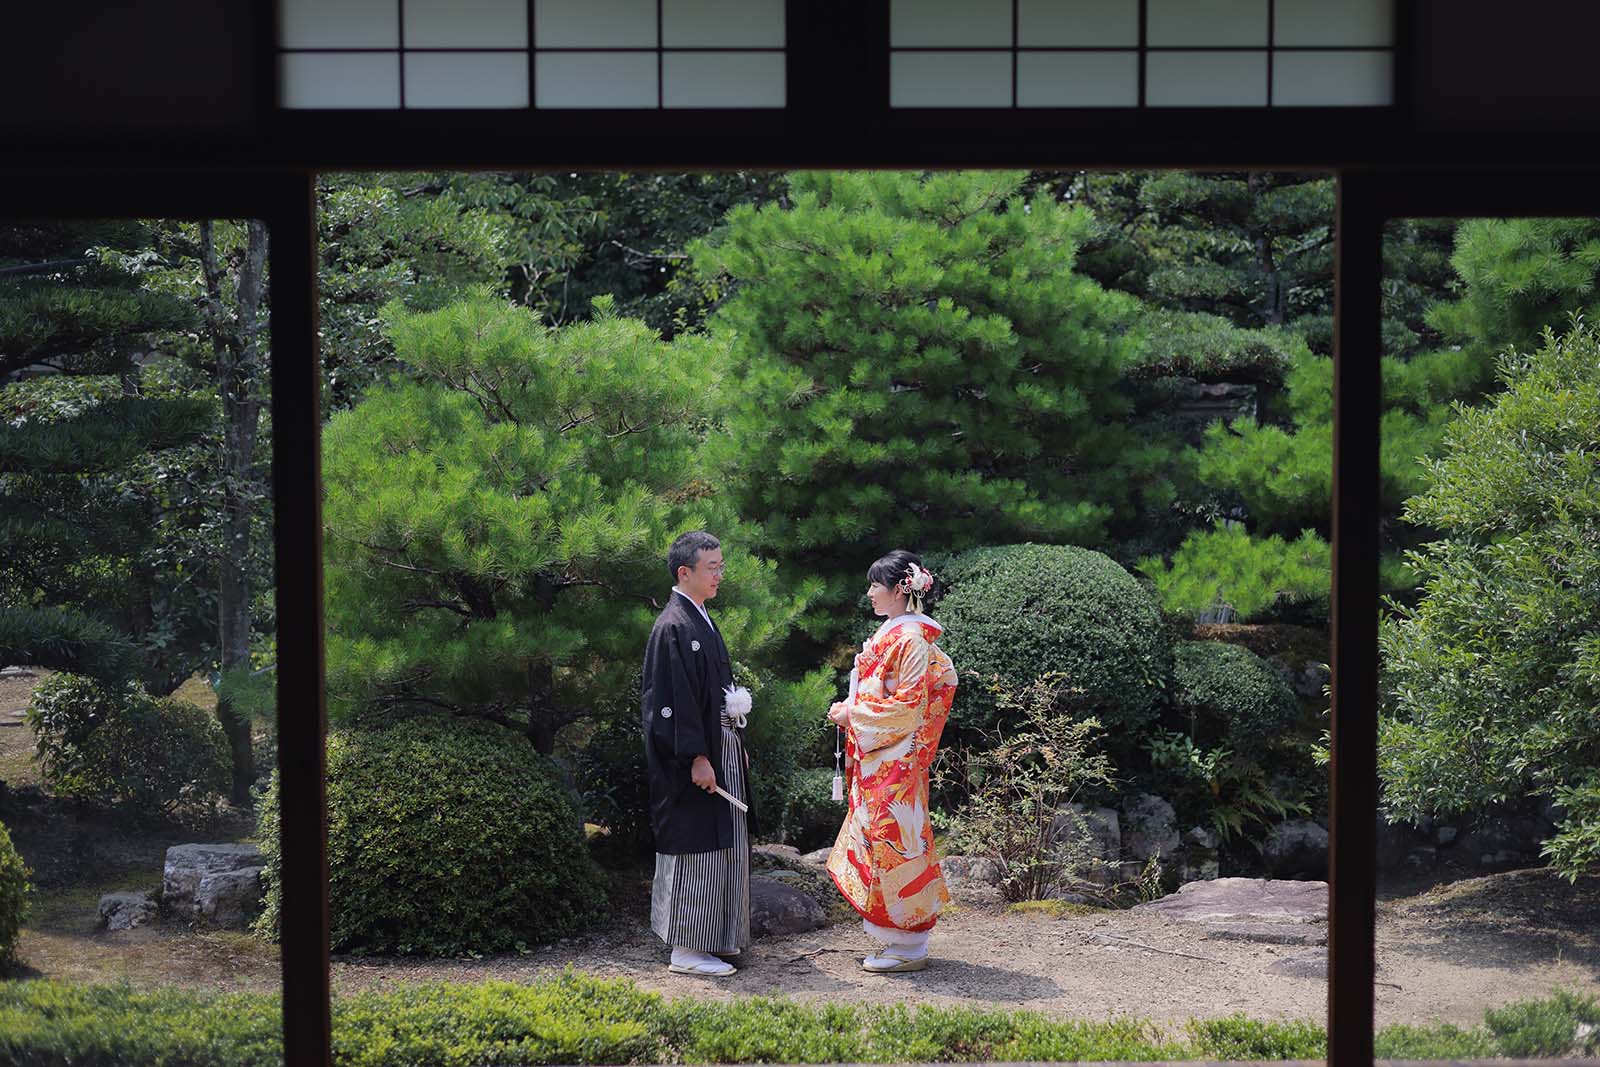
497, 527
921, 367
86, 445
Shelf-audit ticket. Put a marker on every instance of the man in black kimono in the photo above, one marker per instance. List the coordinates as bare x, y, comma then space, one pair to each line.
700, 900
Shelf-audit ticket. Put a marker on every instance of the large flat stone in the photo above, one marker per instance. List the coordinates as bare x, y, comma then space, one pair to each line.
1276, 933
1244, 900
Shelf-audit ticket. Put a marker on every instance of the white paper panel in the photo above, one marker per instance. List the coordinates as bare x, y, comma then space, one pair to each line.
1077, 79
950, 79
949, 23
1333, 79
466, 79
595, 79
1207, 23
594, 23
1077, 23
465, 24
1334, 22
1206, 79
339, 79
338, 23
722, 23
722, 79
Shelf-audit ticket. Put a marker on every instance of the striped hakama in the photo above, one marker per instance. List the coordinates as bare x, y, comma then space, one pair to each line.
701, 900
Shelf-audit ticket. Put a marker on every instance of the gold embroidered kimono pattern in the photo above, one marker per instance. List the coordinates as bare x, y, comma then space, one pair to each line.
883, 860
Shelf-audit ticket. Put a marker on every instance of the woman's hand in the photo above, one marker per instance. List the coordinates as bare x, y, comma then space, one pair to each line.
839, 714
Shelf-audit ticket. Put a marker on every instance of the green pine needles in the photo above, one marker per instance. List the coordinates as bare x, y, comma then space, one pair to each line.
920, 366
497, 523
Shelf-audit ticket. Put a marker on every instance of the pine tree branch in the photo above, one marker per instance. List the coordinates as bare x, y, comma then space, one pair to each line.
49, 267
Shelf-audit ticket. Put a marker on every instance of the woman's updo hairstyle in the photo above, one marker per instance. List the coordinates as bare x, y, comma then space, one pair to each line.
902, 569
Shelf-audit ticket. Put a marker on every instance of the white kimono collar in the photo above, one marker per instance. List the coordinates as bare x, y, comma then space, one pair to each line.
913, 616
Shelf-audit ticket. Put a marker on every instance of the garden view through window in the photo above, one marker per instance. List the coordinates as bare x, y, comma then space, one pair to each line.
1096, 406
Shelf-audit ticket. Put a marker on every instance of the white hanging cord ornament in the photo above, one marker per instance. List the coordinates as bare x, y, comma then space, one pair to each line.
838, 768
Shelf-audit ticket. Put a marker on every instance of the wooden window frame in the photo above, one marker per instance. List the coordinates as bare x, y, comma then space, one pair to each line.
284, 199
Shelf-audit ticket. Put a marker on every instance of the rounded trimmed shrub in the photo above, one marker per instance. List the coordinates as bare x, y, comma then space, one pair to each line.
1017, 612
14, 890
122, 747
1232, 694
445, 836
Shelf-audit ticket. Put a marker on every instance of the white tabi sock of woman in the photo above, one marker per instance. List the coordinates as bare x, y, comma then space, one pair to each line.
905, 944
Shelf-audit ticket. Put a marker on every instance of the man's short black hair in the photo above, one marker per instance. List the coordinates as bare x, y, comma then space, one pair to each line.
685, 551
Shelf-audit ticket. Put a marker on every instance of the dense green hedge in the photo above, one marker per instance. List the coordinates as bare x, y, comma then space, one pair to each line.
121, 747
787, 721
813, 817
1016, 612
445, 836
577, 1019
1233, 695
14, 890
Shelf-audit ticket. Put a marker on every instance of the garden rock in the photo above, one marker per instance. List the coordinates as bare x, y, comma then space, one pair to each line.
777, 908
972, 879
1200, 862
1244, 900
1296, 849
961, 870
220, 884
1149, 829
788, 852
819, 858
124, 911
1103, 832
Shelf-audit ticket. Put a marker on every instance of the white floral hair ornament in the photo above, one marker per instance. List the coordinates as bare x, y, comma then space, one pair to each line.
915, 585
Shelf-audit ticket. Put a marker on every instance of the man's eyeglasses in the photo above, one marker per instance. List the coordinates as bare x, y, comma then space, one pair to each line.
714, 568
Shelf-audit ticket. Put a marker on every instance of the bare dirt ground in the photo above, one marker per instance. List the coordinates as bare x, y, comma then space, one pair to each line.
1445, 954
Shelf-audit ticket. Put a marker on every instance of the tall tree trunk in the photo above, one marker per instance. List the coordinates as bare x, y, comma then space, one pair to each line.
236, 341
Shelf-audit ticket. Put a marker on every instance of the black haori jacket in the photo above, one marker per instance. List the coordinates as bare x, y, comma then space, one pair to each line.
686, 669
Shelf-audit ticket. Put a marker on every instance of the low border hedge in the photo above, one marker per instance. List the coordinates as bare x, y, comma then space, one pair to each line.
573, 1018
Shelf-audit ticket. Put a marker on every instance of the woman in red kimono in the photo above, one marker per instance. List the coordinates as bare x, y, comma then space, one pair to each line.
900, 693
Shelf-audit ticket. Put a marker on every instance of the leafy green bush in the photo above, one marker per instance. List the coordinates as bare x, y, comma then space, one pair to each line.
14, 890
125, 748
1491, 678
1231, 695
1018, 612
444, 836
812, 817
1019, 791
572, 1018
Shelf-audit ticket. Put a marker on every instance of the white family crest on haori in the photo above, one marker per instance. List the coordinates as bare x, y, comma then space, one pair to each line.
736, 704
694, 646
